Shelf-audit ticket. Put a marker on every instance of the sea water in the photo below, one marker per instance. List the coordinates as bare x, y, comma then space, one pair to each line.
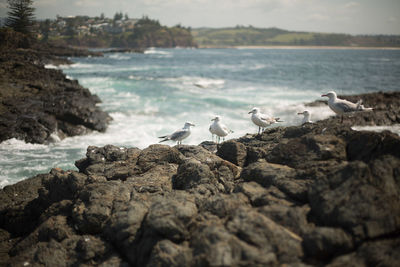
155, 93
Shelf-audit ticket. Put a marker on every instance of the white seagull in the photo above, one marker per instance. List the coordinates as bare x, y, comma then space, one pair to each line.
262, 120
306, 118
341, 106
178, 135
219, 129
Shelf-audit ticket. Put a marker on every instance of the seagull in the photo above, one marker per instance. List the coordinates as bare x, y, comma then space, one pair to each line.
262, 120
219, 129
341, 106
307, 117
178, 135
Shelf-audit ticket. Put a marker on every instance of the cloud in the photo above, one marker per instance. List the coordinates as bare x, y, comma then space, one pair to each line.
88, 3
350, 5
318, 17
45, 3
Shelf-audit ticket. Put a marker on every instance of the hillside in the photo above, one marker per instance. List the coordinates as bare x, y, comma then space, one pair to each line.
250, 36
84, 31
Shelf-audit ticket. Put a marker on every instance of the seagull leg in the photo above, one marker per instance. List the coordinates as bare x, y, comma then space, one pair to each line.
259, 128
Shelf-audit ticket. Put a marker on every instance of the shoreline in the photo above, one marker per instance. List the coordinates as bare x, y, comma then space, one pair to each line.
310, 47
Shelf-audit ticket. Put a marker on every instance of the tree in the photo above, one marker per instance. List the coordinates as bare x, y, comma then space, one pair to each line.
118, 16
21, 15
45, 29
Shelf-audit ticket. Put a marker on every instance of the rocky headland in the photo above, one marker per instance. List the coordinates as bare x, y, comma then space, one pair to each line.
320, 194
38, 105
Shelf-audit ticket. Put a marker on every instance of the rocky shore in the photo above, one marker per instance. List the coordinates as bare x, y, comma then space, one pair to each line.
320, 194
38, 105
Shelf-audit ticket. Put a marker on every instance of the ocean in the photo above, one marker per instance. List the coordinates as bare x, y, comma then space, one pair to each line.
155, 93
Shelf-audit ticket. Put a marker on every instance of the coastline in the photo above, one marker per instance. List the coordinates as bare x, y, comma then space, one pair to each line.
303, 47
40, 105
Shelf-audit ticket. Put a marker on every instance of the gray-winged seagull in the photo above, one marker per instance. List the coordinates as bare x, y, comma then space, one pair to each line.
341, 106
262, 120
178, 135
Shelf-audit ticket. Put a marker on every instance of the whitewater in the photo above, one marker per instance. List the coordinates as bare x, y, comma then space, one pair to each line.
154, 93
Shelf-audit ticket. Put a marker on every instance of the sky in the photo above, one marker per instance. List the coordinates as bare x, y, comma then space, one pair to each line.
329, 16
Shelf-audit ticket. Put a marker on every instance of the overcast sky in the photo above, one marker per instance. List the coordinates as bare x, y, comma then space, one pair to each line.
338, 16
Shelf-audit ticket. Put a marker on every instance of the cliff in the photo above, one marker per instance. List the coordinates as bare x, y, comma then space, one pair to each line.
318, 194
36, 103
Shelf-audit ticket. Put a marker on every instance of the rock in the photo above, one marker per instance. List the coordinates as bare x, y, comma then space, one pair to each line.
263, 233
366, 146
193, 173
48, 107
382, 252
260, 196
359, 202
280, 176
214, 245
233, 152
323, 243
170, 217
167, 253
156, 154
300, 153
291, 217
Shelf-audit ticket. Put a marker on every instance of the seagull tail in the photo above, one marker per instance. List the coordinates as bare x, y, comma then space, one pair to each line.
165, 136
166, 139
277, 120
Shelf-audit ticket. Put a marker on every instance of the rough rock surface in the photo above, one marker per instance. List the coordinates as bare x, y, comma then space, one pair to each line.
37, 104
318, 194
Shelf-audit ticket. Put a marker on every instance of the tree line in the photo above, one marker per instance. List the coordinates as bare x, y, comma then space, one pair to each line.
146, 32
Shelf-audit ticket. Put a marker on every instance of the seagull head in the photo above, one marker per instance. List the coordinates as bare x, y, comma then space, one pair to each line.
188, 124
254, 111
217, 118
330, 95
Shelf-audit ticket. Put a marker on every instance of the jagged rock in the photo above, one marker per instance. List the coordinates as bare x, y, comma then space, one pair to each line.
269, 237
323, 243
234, 152
292, 217
156, 154
167, 253
215, 245
36, 110
299, 153
382, 252
366, 146
186, 206
356, 200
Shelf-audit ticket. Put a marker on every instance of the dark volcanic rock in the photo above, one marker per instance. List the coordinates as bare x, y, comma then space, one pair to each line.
319, 194
39, 105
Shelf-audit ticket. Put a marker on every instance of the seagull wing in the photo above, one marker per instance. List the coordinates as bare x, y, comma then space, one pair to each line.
178, 135
346, 106
226, 129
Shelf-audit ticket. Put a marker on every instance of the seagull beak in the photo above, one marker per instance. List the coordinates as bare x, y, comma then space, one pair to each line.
300, 113
250, 112
213, 119
323, 95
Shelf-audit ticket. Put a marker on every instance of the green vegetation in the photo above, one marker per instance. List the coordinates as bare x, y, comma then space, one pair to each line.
20, 16
251, 36
119, 32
